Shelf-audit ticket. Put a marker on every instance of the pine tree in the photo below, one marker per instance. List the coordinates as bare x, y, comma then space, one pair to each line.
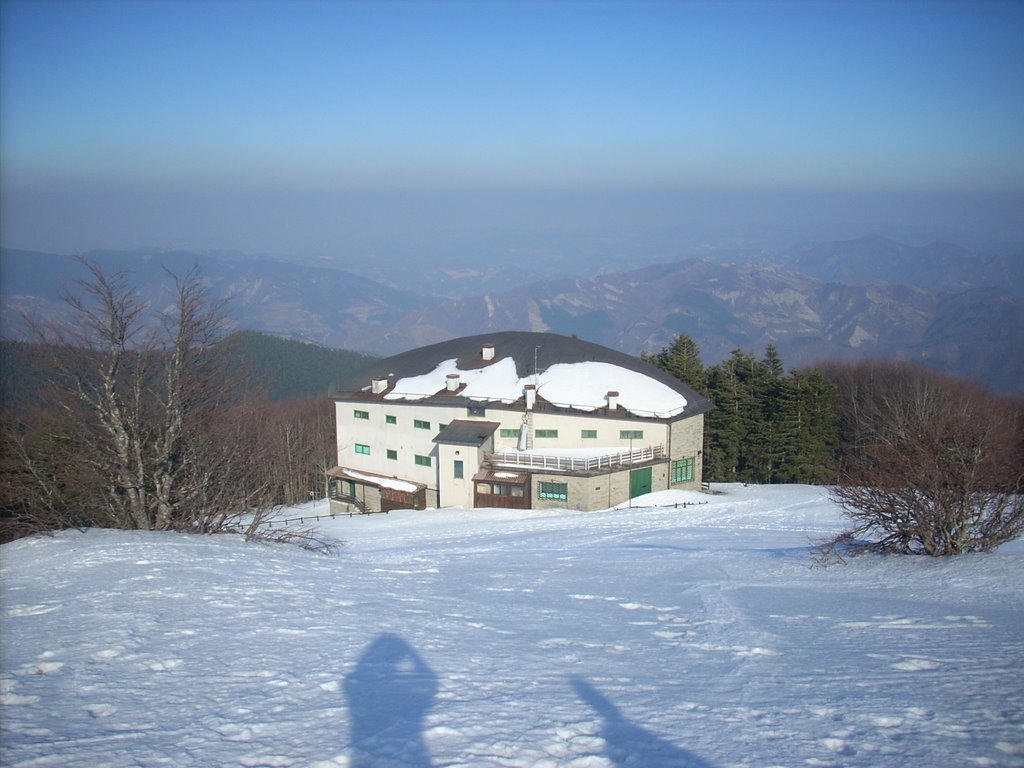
732, 425
681, 358
809, 429
767, 438
766, 427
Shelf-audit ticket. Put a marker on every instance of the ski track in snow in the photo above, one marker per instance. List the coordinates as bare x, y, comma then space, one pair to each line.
648, 637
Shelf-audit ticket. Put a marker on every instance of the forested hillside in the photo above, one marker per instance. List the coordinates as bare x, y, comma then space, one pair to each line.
287, 368
284, 369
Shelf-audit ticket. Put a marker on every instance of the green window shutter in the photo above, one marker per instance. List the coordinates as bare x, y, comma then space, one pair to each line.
392, 454
363, 449
391, 419
509, 433
546, 433
682, 471
556, 491
588, 434
361, 414
631, 434
423, 461
420, 424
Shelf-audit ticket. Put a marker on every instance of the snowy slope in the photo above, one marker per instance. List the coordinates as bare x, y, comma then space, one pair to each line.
696, 636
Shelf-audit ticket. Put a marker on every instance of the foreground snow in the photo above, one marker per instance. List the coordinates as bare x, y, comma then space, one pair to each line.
691, 636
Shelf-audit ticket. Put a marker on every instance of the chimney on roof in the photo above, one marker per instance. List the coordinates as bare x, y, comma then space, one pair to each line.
487, 352
378, 384
531, 396
452, 382
613, 400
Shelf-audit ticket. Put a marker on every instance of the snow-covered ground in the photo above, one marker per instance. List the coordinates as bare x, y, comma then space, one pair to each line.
654, 637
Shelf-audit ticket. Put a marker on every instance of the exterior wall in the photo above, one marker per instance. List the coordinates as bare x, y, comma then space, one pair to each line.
454, 491
403, 437
367, 494
571, 426
409, 441
596, 491
682, 438
686, 442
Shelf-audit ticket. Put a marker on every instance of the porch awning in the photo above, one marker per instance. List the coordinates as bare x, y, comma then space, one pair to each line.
501, 476
371, 478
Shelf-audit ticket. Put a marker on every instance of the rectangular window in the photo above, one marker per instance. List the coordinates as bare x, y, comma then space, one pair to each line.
510, 433
546, 433
588, 434
363, 449
393, 455
557, 491
682, 471
420, 424
361, 414
351, 487
458, 469
390, 420
500, 489
476, 410
631, 434
423, 461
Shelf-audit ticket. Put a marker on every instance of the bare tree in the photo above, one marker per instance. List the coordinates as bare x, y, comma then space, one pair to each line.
148, 423
931, 465
157, 420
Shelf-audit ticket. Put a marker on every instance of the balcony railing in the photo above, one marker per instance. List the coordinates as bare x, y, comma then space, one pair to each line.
566, 462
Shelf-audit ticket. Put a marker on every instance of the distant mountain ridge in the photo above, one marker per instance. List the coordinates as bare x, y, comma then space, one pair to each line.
875, 259
974, 333
971, 326
327, 306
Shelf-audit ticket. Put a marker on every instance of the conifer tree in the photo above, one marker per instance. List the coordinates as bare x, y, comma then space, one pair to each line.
767, 426
809, 430
767, 439
681, 358
733, 423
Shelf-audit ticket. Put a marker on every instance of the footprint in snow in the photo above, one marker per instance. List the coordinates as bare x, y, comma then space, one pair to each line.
839, 746
31, 610
100, 710
915, 665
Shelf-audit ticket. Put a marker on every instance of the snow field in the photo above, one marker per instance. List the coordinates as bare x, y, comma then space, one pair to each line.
696, 636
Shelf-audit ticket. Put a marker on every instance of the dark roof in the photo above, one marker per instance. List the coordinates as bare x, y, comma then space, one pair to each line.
461, 432
524, 347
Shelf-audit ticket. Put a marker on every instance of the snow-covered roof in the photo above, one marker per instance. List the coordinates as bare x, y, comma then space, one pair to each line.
379, 480
567, 372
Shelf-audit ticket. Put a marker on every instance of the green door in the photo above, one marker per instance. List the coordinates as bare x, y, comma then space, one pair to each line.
639, 482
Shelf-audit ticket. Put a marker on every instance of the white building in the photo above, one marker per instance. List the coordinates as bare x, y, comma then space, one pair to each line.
513, 419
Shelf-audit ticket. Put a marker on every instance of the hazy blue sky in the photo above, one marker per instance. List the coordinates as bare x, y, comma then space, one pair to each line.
307, 127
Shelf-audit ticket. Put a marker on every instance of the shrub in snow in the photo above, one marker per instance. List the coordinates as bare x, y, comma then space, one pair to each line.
933, 466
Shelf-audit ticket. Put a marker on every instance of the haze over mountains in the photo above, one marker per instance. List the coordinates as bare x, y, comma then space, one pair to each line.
955, 309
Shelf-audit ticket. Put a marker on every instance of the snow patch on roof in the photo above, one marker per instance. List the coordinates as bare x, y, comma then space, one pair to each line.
384, 482
582, 386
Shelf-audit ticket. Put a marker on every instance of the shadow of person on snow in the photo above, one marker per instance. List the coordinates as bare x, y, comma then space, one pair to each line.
627, 743
389, 693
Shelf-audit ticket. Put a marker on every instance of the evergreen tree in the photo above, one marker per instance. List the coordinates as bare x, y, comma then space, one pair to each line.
767, 439
809, 429
730, 427
767, 426
681, 358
